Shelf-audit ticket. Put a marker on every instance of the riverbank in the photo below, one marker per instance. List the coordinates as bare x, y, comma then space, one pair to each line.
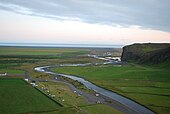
27, 58
146, 85
124, 101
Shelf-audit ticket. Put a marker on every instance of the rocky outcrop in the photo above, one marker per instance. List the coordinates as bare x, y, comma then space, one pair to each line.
146, 53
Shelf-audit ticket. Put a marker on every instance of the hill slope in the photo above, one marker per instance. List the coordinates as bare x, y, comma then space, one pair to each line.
146, 53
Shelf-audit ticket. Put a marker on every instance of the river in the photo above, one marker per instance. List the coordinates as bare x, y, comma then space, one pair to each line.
139, 109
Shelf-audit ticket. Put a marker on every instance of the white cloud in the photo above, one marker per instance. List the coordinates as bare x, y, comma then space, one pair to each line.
80, 21
17, 8
24, 28
153, 14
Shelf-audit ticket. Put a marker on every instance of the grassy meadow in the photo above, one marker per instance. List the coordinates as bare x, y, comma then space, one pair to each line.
62, 91
17, 96
11, 71
147, 85
38, 51
15, 60
21, 60
72, 103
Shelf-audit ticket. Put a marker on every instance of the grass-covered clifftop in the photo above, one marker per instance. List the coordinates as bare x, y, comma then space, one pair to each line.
151, 53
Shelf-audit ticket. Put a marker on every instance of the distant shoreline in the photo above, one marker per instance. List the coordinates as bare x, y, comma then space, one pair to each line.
60, 45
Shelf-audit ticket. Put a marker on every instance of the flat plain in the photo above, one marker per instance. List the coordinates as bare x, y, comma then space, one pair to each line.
22, 61
17, 96
147, 85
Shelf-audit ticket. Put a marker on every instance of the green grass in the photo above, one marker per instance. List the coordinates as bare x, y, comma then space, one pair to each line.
164, 65
11, 71
149, 49
116, 72
90, 109
147, 85
101, 109
27, 99
17, 96
74, 104
38, 51
62, 91
70, 110
8, 65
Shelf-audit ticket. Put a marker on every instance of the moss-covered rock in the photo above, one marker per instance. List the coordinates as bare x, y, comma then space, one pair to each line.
146, 53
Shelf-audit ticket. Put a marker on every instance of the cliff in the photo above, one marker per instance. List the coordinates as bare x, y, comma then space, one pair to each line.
146, 53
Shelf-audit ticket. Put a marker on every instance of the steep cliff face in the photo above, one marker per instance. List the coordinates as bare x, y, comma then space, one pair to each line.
146, 53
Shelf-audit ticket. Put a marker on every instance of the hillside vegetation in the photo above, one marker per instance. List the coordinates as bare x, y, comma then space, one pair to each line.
148, 53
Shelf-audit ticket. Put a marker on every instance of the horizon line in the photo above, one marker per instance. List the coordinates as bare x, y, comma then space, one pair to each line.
84, 45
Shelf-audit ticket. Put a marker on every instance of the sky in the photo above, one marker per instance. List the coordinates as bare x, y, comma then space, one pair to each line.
85, 21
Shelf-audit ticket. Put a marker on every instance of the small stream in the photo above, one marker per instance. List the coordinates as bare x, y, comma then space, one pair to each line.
139, 109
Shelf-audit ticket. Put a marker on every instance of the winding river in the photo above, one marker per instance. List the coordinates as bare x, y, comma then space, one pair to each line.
139, 109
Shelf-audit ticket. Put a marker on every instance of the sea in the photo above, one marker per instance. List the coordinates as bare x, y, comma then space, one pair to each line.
62, 45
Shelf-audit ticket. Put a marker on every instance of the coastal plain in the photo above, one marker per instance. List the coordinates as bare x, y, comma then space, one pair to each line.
147, 85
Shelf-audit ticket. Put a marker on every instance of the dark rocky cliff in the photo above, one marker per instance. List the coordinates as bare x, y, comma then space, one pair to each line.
146, 53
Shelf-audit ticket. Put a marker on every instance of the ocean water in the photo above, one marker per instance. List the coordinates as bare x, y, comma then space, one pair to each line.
62, 45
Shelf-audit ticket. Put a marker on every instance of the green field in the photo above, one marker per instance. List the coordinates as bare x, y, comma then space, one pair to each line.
11, 71
74, 104
149, 86
100, 108
16, 60
11, 57
17, 96
38, 51
62, 91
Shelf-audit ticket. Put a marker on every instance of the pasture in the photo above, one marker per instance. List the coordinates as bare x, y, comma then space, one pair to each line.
17, 96
147, 85
72, 103
11, 71
38, 51
16, 60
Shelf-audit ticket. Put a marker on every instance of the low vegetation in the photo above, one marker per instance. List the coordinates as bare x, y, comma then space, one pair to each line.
22, 61
77, 84
148, 53
39, 51
11, 71
72, 102
17, 96
147, 85
63, 94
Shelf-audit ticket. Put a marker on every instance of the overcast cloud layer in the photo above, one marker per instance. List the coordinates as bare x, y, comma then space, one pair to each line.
149, 14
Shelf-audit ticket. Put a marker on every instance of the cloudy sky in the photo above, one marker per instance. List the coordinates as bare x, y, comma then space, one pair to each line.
84, 21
